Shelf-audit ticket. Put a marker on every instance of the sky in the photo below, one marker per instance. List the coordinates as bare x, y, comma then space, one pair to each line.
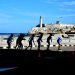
19, 16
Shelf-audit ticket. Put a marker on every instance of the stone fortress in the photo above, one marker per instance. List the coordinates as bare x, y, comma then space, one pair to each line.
56, 27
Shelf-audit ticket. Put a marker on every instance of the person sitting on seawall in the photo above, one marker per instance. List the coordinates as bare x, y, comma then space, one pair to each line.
9, 40
59, 40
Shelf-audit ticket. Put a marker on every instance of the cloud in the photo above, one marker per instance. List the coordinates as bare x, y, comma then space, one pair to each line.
5, 21
68, 15
48, 2
60, 3
29, 21
69, 3
68, 9
28, 13
67, 6
31, 14
61, 16
5, 15
5, 18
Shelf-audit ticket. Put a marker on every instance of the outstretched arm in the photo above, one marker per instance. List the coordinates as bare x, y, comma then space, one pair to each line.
41, 40
51, 39
33, 40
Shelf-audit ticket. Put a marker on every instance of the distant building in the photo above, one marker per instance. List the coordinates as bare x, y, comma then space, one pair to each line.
45, 28
58, 26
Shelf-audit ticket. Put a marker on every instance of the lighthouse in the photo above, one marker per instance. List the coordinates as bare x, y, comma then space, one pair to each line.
40, 23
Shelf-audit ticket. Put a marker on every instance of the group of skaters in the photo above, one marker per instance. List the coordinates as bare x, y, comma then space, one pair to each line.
19, 44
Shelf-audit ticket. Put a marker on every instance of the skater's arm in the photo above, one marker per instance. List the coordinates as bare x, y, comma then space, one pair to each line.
41, 40
24, 39
51, 39
33, 40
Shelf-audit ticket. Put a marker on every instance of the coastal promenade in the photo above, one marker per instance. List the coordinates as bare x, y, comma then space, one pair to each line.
66, 42
55, 48
65, 45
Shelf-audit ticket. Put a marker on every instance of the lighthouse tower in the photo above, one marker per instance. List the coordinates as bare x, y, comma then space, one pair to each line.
40, 23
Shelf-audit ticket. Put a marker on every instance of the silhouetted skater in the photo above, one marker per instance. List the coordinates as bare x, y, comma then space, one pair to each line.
9, 40
31, 39
19, 44
59, 40
48, 41
39, 40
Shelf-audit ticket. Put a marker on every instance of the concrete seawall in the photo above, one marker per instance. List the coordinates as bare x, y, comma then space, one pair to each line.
65, 41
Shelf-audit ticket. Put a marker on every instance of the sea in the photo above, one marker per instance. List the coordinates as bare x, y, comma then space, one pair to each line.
14, 33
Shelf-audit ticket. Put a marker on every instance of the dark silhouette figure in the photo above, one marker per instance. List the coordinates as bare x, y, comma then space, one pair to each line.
31, 39
19, 44
48, 41
9, 40
39, 40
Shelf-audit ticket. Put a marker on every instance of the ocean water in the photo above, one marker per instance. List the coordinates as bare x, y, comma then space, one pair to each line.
12, 33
